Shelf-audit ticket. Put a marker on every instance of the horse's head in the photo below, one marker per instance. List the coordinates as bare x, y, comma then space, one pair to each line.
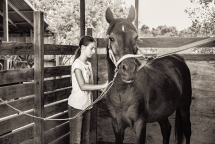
123, 38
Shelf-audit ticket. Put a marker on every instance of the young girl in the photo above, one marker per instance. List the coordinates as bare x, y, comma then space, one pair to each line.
81, 96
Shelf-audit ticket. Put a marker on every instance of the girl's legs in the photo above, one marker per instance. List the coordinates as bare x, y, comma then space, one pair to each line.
86, 128
79, 127
75, 126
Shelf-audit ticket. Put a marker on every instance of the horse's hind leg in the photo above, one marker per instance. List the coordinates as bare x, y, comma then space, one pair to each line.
165, 130
118, 131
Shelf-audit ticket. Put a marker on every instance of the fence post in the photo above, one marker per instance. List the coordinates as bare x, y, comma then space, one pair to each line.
5, 20
93, 126
5, 28
137, 12
82, 17
38, 77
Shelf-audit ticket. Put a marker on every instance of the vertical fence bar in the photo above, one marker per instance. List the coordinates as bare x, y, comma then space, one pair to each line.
137, 12
82, 17
5, 28
31, 36
38, 77
93, 127
5, 20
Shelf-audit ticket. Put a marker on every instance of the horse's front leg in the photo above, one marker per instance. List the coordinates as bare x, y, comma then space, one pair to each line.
118, 131
165, 130
140, 129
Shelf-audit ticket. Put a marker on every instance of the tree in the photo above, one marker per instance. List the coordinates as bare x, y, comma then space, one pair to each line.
160, 31
145, 31
202, 14
63, 17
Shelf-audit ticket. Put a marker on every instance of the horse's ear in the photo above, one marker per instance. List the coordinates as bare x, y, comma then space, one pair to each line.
131, 14
109, 15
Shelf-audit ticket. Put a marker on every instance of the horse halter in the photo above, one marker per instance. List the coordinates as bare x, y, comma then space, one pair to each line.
116, 63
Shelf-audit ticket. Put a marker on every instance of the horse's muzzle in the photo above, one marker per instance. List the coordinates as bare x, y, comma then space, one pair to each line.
127, 70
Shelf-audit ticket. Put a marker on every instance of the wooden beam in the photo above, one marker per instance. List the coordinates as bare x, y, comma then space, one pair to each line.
137, 12
20, 48
24, 37
185, 47
94, 62
18, 136
30, 5
11, 22
5, 28
21, 22
27, 74
20, 13
15, 122
23, 11
82, 17
38, 77
21, 104
171, 42
56, 132
5, 20
31, 35
51, 124
17, 48
199, 57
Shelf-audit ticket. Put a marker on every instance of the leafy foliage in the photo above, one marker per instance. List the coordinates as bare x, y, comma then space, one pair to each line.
63, 17
202, 14
160, 31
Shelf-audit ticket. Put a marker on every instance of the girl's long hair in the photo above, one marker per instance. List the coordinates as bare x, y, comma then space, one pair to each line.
85, 40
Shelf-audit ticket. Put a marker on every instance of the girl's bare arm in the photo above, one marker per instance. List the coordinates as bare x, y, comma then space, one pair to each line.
83, 85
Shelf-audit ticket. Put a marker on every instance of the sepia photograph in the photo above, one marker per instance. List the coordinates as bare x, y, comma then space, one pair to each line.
107, 72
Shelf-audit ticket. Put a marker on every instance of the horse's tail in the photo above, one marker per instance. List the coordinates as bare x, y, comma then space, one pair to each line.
178, 128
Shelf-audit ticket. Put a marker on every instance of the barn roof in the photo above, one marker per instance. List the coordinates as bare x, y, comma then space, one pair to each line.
20, 16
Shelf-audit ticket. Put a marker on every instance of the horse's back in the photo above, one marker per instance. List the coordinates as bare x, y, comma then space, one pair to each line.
165, 81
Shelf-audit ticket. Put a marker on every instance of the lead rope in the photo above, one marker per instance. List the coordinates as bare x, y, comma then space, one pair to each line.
110, 84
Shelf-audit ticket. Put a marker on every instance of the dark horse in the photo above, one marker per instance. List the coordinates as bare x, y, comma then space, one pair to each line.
151, 94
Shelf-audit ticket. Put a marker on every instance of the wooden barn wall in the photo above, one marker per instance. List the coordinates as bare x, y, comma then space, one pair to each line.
202, 108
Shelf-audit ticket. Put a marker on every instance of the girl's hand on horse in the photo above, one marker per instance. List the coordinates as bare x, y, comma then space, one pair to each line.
105, 85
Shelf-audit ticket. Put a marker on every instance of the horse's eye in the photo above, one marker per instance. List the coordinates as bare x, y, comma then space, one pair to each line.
111, 39
136, 37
